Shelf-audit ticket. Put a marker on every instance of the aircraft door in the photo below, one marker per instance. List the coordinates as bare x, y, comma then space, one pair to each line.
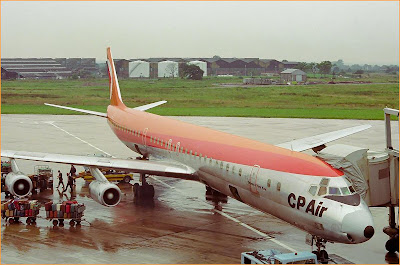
253, 179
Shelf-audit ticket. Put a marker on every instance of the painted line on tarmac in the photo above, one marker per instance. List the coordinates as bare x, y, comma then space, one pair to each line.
76, 137
232, 218
180, 191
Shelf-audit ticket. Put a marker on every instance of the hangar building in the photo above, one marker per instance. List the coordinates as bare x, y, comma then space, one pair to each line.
290, 75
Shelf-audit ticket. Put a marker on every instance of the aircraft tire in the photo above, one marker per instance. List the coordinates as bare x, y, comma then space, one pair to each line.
135, 189
391, 245
324, 257
150, 191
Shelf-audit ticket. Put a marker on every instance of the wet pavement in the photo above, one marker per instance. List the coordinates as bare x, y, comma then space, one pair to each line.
180, 225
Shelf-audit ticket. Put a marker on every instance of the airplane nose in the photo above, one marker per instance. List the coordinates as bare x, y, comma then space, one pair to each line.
358, 226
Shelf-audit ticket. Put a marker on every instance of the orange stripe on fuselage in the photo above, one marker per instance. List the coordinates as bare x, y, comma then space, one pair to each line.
215, 144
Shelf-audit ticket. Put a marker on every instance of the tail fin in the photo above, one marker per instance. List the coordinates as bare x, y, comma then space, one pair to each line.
115, 94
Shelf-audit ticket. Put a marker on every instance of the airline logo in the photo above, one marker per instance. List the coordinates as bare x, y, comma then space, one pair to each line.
301, 202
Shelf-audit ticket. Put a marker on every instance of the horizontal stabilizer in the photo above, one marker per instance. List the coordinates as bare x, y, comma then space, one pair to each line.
101, 114
151, 105
321, 139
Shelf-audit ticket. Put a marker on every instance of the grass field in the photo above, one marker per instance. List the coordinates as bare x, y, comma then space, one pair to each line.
205, 98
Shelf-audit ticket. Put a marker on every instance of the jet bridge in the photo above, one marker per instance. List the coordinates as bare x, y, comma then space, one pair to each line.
374, 175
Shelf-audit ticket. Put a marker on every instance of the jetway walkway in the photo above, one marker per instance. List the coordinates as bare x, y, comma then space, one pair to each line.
374, 174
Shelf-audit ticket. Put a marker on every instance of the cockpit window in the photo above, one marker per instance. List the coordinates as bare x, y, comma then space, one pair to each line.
322, 191
352, 190
324, 182
313, 190
345, 191
334, 191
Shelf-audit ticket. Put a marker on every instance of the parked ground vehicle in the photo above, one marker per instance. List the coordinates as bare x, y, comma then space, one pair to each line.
13, 210
42, 179
272, 256
110, 174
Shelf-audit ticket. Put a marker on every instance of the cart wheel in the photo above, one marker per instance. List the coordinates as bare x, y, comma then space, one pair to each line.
55, 222
127, 178
11, 220
72, 223
28, 221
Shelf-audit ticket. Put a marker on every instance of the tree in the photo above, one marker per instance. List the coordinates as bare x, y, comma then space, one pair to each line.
191, 71
171, 69
302, 66
313, 67
325, 67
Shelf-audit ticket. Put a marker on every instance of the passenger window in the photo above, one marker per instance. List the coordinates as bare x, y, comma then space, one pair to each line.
278, 186
313, 190
233, 169
240, 172
322, 191
352, 190
345, 191
221, 165
334, 191
269, 183
227, 167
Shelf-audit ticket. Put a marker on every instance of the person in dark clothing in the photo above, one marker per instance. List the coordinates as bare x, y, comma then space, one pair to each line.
72, 171
70, 182
60, 180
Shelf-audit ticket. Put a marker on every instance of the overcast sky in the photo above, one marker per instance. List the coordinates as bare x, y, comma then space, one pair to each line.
357, 32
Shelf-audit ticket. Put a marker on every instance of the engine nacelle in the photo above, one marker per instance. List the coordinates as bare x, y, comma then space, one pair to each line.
18, 184
105, 193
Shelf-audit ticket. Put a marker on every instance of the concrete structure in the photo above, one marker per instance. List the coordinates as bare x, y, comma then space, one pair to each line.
45, 68
139, 69
122, 67
168, 69
290, 75
201, 64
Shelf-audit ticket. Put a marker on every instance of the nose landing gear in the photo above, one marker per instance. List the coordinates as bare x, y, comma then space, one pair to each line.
322, 254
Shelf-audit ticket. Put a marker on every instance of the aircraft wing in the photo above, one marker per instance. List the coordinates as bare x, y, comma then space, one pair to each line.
321, 139
154, 167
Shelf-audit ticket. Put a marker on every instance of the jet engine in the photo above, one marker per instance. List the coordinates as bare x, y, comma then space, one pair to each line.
18, 184
105, 193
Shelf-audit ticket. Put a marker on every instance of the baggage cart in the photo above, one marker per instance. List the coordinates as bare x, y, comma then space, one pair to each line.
58, 213
13, 210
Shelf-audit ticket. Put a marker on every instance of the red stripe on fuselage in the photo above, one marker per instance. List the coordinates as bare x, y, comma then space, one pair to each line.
215, 144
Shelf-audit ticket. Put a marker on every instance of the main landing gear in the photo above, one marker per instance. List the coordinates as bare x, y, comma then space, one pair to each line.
322, 254
392, 245
215, 196
144, 191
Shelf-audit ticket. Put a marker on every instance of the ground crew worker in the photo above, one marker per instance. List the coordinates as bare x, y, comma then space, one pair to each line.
72, 170
70, 182
60, 180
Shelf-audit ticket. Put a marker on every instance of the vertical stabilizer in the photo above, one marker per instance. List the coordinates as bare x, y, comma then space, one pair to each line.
115, 94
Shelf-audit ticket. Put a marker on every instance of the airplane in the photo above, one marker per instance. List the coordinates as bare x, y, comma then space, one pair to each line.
279, 180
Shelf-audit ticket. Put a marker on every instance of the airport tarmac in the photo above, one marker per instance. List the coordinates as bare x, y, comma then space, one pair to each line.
180, 226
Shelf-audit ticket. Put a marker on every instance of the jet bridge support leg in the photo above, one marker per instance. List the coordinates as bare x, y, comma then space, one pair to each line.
144, 191
392, 245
